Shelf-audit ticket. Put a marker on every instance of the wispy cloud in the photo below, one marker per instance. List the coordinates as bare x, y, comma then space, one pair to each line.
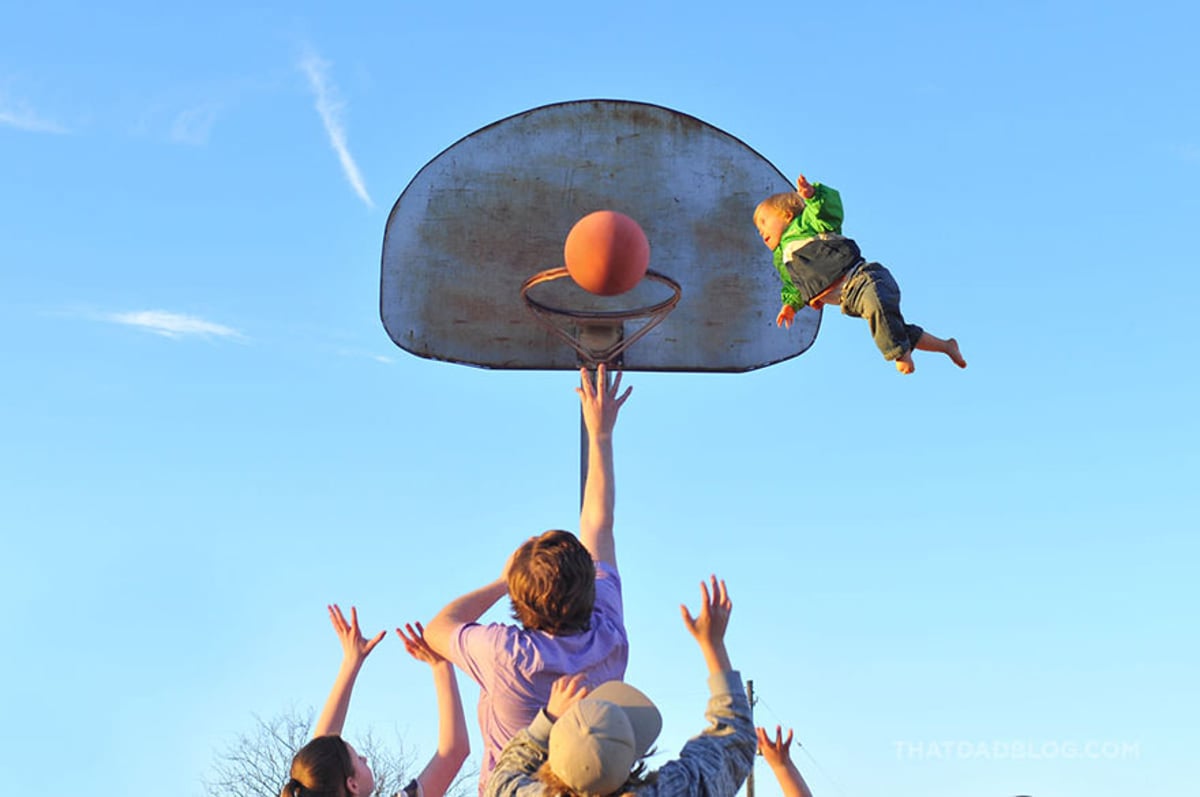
173, 325
330, 108
22, 117
362, 354
192, 126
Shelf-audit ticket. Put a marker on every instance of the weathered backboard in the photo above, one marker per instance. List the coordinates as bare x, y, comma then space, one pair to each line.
496, 207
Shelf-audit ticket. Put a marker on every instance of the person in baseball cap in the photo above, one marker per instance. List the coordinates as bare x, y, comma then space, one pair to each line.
595, 744
592, 742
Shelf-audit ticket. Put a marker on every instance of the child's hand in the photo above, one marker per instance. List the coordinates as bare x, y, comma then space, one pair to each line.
787, 314
417, 647
804, 187
775, 753
354, 647
564, 693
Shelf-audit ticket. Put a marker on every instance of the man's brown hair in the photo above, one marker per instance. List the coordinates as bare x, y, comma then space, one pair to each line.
552, 584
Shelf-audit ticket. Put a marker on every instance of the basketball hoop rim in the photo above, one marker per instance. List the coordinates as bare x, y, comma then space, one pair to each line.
551, 274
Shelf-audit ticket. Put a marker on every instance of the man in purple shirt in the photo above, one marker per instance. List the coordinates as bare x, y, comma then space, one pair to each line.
565, 591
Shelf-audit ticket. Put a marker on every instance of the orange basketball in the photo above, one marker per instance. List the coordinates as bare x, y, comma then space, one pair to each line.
606, 253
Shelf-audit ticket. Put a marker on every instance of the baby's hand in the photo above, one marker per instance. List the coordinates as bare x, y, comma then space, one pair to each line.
775, 753
804, 187
787, 314
417, 647
566, 692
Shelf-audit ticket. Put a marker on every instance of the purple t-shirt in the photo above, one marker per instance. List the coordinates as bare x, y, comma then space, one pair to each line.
515, 667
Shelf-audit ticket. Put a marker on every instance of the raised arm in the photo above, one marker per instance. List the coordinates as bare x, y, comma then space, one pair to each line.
354, 652
461, 611
775, 753
822, 207
453, 742
708, 627
599, 404
715, 763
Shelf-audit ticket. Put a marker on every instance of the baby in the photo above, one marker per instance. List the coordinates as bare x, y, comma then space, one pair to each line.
819, 266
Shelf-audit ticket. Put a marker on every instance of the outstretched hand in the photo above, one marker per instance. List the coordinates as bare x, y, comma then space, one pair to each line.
565, 692
355, 647
417, 647
600, 402
708, 627
775, 753
804, 187
787, 314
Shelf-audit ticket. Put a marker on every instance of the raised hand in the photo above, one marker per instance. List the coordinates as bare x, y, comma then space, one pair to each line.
355, 650
775, 753
804, 187
417, 647
600, 402
565, 692
355, 647
710, 624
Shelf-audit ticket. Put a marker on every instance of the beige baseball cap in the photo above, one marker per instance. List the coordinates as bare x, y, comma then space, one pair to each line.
595, 743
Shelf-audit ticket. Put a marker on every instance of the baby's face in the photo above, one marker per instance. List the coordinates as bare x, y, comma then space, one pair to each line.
771, 224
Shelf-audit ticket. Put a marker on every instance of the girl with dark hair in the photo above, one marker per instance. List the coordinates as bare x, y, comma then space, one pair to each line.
329, 766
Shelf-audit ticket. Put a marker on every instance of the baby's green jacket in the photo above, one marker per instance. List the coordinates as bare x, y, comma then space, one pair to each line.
822, 214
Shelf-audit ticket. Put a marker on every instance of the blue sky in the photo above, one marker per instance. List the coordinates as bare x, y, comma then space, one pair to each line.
953, 583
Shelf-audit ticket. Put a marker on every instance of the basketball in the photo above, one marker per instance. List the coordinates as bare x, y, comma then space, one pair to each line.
606, 253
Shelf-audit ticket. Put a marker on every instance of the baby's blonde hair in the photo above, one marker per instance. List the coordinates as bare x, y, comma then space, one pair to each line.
789, 203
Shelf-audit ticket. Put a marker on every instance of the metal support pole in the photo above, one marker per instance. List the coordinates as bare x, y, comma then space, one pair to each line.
750, 698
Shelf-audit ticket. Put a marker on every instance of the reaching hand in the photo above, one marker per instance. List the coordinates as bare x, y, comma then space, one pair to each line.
775, 753
354, 647
564, 693
600, 401
804, 187
787, 314
709, 626
417, 647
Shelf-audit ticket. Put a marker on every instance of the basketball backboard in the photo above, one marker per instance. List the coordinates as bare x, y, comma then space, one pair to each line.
495, 208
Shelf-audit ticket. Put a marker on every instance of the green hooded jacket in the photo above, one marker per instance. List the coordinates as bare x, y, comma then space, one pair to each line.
822, 214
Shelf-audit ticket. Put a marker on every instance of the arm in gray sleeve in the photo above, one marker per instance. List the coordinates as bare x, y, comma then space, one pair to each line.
715, 763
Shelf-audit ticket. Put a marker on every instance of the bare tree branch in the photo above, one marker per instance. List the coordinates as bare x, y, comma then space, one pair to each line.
257, 763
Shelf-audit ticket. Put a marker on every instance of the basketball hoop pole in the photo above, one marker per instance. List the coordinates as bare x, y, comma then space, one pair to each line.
597, 336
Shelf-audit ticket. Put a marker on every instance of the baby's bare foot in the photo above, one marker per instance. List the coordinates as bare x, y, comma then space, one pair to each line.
954, 354
905, 364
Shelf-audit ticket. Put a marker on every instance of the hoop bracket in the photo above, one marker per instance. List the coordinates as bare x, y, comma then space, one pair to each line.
590, 336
